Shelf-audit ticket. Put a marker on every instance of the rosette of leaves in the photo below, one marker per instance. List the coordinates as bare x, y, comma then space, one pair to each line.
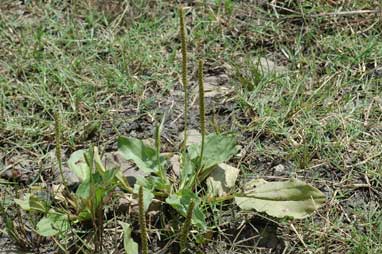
205, 162
85, 203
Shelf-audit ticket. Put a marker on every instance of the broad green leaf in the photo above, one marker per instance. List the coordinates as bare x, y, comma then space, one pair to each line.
44, 227
84, 215
91, 194
83, 190
143, 156
89, 197
78, 165
152, 182
130, 246
293, 198
180, 202
53, 224
99, 195
217, 149
187, 169
222, 179
108, 178
60, 221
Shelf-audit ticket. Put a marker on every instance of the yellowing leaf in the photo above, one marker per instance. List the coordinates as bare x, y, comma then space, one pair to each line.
293, 198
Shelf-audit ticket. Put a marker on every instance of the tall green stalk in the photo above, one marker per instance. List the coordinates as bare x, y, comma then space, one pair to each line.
184, 72
142, 222
186, 227
201, 110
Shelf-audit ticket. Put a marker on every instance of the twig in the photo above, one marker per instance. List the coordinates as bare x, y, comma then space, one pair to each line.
345, 13
326, 14
299, 237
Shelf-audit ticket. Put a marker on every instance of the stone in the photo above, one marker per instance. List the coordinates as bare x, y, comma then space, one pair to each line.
268, 66
279, 170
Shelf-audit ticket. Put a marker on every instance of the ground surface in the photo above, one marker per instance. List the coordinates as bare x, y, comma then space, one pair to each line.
300, 85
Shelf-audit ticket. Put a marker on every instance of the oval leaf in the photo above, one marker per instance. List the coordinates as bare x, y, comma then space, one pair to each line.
44, 227
217, 149
180, 202
293, 198
52, 224
78, 165
143, 156
130, 246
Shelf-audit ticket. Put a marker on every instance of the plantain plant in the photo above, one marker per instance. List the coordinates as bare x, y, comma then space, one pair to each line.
86, 204
204, 162
201, 164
